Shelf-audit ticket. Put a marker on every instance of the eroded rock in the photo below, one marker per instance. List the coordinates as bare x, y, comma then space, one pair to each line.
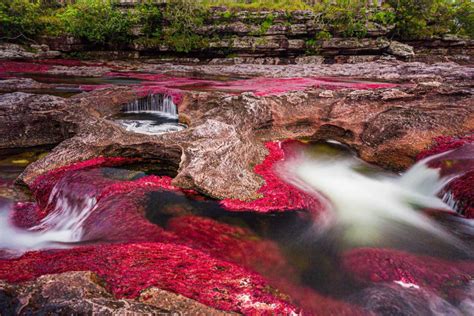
401, 50
226, 134
84, 293
10, 51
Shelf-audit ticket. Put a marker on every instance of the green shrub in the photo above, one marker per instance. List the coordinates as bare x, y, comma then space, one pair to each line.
102, 23
464, 18
183, 17
19, 19
266, 24
383, 17
419, 19
97, 21
348, 18
150, 17
323, 35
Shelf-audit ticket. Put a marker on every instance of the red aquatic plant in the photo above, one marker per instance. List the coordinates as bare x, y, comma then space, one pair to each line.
7, 67
462, 188
262, 86
277, 195
387, 265
131, 253
131, 268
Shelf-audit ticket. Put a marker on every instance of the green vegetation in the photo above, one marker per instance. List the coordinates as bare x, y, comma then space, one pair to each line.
425, 18
103, 23
97, 21
183, 17
19, 19
287, 5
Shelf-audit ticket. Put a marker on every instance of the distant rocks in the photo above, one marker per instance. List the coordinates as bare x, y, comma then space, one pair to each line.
400, 50
13, 51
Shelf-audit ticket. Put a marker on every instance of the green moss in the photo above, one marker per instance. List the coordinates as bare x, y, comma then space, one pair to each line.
228, 15
323, 35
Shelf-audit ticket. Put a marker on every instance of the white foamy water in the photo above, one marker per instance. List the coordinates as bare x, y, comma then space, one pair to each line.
150, 127
63, 225
153, 103
153, 115
370, 206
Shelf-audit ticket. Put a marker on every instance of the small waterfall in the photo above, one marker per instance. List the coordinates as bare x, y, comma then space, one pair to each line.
153, 115
153, 103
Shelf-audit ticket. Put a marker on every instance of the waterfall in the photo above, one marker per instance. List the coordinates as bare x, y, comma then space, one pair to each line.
153, 103
153, 115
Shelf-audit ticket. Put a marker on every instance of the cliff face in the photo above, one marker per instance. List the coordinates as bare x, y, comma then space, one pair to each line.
277, 33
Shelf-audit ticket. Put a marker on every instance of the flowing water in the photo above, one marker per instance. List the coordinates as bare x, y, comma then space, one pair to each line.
154, 114
366, 206
371, 207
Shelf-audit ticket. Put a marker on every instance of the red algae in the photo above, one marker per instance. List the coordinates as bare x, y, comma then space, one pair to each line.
259, 86
386, 265
462, 188
239, 245
130, 268
276, 86
212, 262
26, 214
174, 86
43, 185
161, 258
7, 67
277, 194
63, 62
231, 243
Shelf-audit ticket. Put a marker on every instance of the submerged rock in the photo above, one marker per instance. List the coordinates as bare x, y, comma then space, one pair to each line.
386, 265
396, 299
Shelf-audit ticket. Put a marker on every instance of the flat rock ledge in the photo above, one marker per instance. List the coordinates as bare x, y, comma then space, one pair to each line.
227, 133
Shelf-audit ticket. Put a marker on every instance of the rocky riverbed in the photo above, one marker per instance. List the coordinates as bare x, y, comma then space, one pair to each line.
241, 120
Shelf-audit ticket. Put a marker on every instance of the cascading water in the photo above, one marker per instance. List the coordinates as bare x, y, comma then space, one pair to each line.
153, 103
153, 114
369, 207
63, 224
377, 208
